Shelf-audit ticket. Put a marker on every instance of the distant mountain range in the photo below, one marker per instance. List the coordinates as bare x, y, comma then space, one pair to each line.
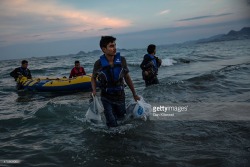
244, 33
97, 52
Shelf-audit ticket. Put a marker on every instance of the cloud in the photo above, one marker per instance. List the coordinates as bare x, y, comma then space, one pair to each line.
204, 17
105, 29
22, 18
164, 12
36, 35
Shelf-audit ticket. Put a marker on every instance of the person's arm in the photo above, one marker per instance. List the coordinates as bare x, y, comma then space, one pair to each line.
93, 78
159, 61
128, 79
14, 73
93, 85
142, 65
146, 63
131, 86
149, 65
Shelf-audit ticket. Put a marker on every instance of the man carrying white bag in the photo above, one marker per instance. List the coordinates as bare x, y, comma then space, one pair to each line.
95, 110
135, 110
139, 109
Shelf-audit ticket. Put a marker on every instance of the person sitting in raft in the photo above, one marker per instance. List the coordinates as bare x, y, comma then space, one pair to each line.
77, 70
21, 71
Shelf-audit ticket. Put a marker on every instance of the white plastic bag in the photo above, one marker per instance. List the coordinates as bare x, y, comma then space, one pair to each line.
95, 109
139, 109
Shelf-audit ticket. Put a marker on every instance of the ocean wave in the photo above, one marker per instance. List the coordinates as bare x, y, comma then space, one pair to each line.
165, 62
204, 77
168, 62
221, 73
56, 110
183, 60
49, 69
122, 129
203, 57
228, 68
214, 85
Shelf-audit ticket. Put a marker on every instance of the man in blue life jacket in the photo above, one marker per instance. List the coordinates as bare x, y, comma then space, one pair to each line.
20, 72
150, 65
111, 70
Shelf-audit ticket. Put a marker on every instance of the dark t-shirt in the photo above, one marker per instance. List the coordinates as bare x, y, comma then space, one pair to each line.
147, 65
98, 67
20, 71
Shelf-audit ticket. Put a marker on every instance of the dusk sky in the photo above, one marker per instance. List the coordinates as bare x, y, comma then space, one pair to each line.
30, 28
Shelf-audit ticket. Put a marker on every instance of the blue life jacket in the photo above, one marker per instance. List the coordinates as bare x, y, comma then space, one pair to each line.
111, 78
155, 67
24, 71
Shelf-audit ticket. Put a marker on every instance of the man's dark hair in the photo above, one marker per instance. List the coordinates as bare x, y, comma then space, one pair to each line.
24, 62
77, 61
105, 40
151, 48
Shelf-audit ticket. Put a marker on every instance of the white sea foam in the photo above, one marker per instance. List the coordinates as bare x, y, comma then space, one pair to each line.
168, 62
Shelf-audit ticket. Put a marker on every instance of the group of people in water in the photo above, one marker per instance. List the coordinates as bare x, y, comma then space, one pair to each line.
110, 70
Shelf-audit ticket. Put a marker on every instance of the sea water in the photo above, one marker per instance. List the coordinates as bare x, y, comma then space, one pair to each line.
210, 79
